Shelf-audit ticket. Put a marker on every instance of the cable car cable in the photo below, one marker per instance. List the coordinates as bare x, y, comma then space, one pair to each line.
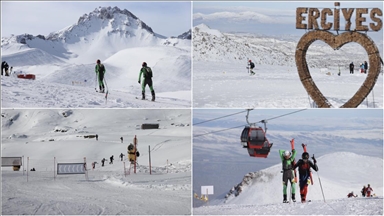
262, 121
219, 118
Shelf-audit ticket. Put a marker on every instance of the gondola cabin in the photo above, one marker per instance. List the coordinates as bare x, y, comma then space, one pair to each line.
254, 139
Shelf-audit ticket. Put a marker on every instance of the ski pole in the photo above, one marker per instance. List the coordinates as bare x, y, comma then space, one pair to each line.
321, 186
96, 82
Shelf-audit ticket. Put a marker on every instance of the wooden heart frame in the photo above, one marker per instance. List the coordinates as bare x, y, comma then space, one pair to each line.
337, 41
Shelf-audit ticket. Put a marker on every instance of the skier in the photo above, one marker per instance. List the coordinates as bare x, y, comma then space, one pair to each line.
305, 176
4, 67
251, 66
351, 67
100, 71
287, 161
351, 195
147, 79
361, 68
102, 162
364, 191
121, 139
111, 160
369, 190
121, 156
94, 165
365, 66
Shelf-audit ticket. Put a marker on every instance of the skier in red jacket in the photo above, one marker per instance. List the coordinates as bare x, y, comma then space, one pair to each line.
305, 166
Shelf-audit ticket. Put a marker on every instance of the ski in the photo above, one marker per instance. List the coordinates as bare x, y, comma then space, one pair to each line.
144, 99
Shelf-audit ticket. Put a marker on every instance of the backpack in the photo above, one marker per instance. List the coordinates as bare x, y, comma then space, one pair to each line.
252, 65
102, 68
149, 72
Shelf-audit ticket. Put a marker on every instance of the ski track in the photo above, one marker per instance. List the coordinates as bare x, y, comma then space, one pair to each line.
37, 93
109, 194
272, 87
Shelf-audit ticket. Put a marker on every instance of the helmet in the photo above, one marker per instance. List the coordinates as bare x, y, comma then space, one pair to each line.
305, 155
287, 153
98, 61
144, 64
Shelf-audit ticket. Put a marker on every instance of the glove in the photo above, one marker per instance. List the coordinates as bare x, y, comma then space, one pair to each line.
139, 81
313, 158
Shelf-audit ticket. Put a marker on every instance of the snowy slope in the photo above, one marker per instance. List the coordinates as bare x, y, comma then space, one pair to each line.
27, 133
64, 63
220, 60
258, 192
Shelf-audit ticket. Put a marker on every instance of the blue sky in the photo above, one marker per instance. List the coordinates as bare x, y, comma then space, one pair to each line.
165, 18
282, 13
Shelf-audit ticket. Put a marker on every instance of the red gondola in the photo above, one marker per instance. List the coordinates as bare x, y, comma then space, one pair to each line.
254, 139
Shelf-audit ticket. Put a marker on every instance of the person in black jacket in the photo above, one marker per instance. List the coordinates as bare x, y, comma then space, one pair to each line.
365, 66
251, 67
351, 67
305, 166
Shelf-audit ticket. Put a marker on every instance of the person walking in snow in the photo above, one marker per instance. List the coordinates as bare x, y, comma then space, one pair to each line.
121, 139
100, 71
4, 68
97, 137
94, 165
111, 160
351, 67
369, 190
121, 156
365, 66
147, 80
287, 159
361, 68
102, 162
305, 166
364, 191
251, 67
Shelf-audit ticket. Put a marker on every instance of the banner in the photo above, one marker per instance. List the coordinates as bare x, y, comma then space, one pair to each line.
71, 168
11, 161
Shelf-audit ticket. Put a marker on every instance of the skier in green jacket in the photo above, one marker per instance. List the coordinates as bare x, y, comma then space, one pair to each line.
287, 160
147, 79
100, 71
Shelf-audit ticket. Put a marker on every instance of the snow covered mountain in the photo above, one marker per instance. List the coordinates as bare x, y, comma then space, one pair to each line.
99, 34
41, 135
259, 193
213, 45
120, 40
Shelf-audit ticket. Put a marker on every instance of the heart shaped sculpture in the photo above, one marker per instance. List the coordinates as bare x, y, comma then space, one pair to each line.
337, 41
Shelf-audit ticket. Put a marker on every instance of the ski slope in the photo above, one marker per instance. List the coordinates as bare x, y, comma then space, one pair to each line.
64, 64
167, 191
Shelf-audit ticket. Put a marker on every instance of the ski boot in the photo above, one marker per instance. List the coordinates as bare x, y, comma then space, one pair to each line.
153, 95
143, 95
293, 198
285, 198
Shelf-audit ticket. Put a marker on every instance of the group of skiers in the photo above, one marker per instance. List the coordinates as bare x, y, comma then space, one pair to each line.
145, 74
366, 191
289, 173
110, 160
363, 67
